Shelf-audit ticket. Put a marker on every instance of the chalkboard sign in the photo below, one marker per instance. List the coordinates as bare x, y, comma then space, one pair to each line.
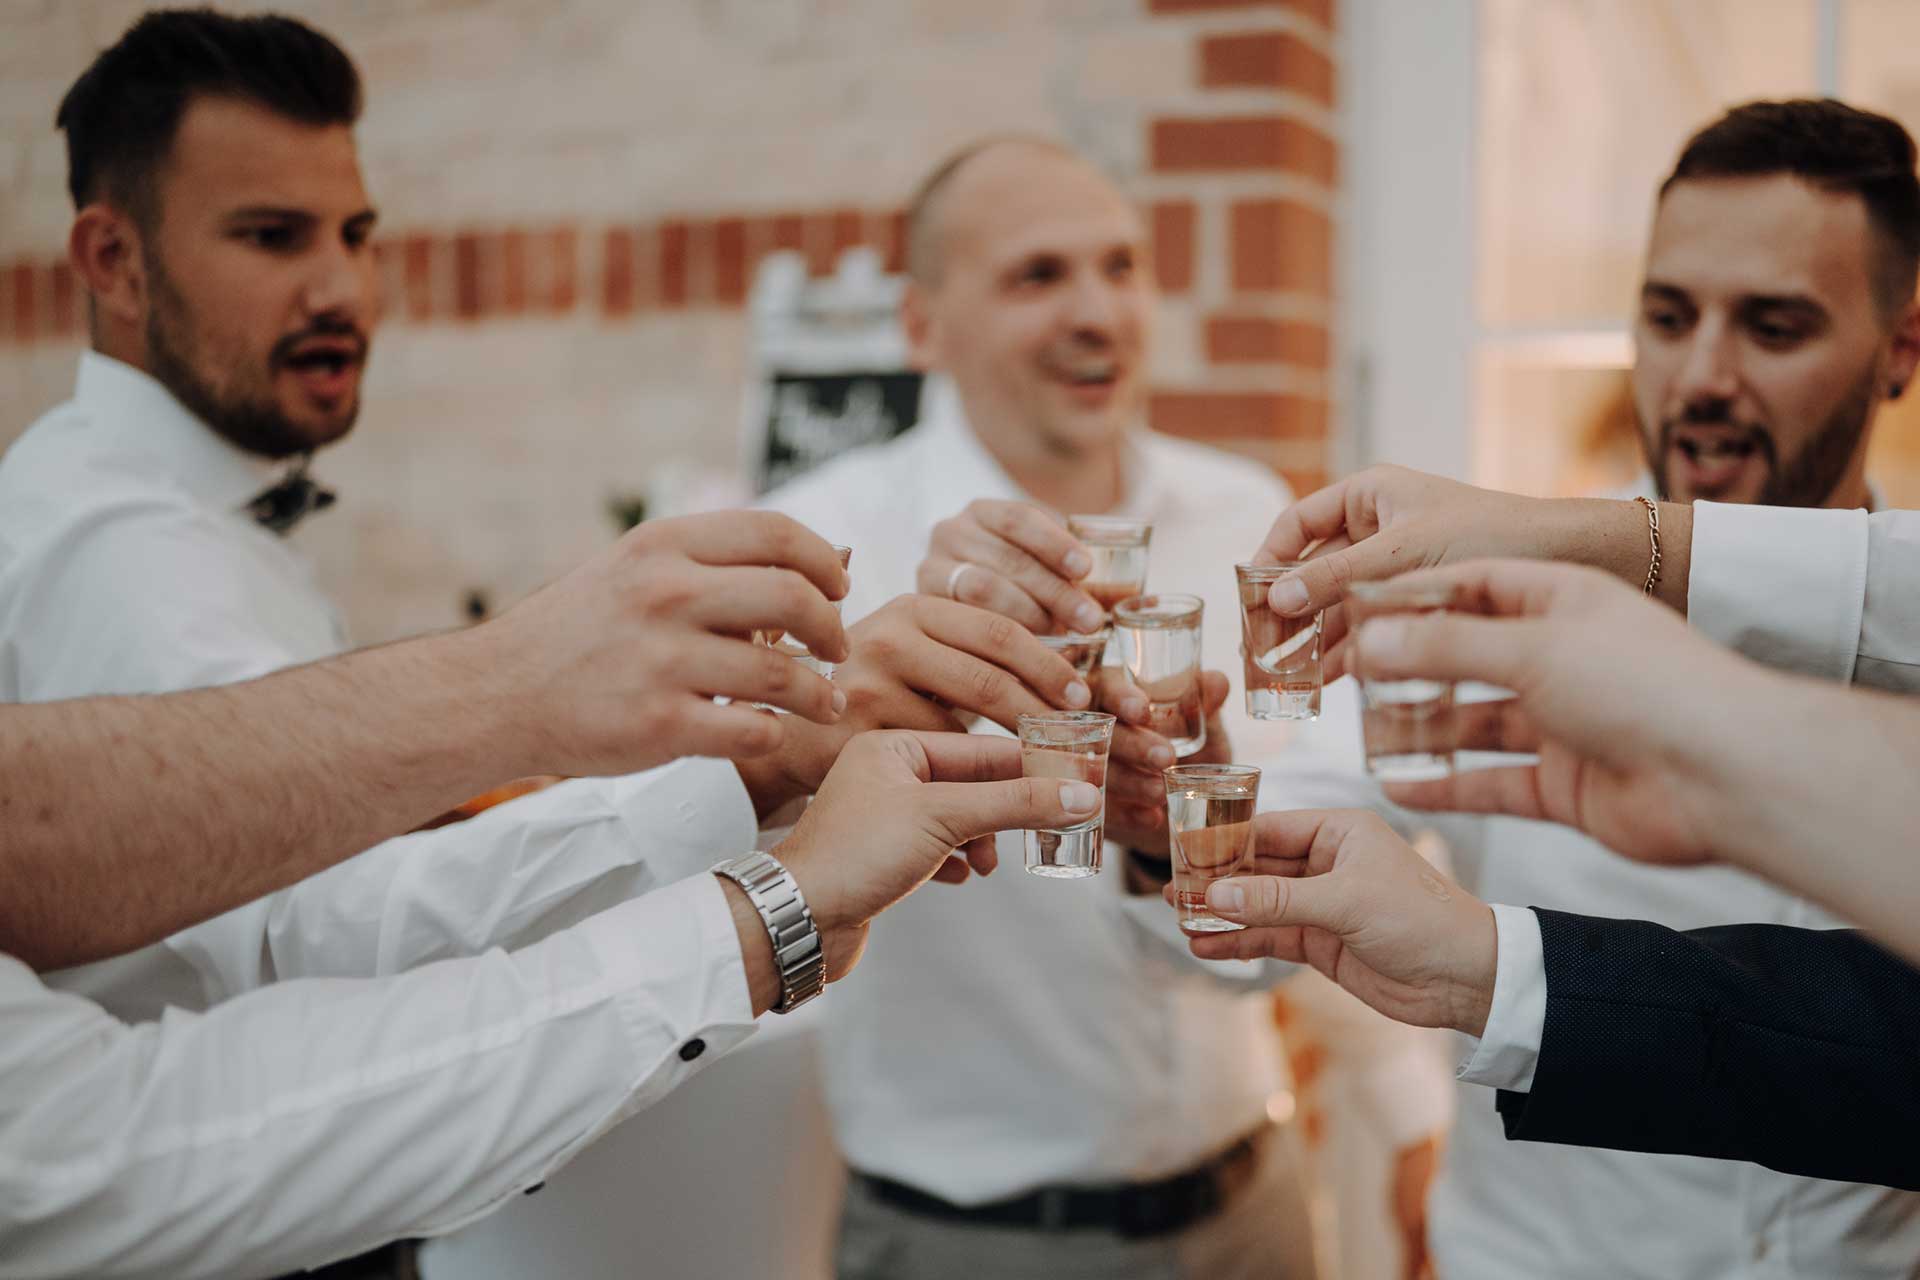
814, 417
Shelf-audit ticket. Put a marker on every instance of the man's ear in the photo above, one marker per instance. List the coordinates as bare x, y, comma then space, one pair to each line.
105, 249
916, 321
1904, 352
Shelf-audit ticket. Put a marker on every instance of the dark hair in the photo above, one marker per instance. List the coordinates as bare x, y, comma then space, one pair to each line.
1834, 147
121, 115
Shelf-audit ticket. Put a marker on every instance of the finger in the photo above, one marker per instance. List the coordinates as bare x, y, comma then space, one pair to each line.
983, 854
748, 672
1321, 514
983, 588
1140, 749
1451, 646
1045, 586
1323, 580
1321, 901
1036, 533
1507, 588
1141, 788
1498, 724
702, 727
1514, 790
1292, 833
1114, 691
752, 538
1214, 688
1013, 648
1333, 641
963, 810
1252, 944
952, 871
968, 684
1141, 819
739, 600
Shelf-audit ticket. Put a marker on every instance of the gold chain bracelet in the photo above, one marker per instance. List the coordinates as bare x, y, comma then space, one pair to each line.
1653, 534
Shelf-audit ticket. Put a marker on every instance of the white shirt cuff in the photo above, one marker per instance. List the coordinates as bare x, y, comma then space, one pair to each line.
1783, 585
1505, 1055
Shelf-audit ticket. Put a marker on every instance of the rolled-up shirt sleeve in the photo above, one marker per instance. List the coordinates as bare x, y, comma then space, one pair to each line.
1831, 594
311, 1120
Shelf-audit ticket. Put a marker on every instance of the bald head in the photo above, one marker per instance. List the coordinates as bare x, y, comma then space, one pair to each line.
970, 173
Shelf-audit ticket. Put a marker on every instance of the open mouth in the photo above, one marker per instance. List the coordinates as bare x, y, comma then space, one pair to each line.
1719, 449
1713, 462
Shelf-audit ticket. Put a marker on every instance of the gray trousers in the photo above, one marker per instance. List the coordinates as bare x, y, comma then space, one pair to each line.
1263, 1233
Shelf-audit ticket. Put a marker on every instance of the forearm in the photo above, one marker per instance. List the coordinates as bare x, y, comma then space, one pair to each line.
1614, 536
125, 819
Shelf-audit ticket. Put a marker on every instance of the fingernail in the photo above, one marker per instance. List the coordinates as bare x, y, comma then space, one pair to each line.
1161, 757
839, 702
1226, 896
1288, 596
1137, 709
1078, 695
1078, 562
1079, 797
1087, 617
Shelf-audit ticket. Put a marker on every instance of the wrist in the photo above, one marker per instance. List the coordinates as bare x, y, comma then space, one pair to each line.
756, 948
1472, 1002
495, 725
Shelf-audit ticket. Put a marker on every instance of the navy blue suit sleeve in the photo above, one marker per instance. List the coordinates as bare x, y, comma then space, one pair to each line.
1798, 1049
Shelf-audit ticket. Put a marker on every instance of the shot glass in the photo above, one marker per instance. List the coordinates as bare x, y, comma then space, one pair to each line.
1282, 654
781, 642
1160, 647
1210, 818
1069, 745
1407, 724
1119, 550
1082, 651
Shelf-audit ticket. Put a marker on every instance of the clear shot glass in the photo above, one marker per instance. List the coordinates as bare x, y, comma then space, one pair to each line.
781, 642
1068, 745
1282, 654
1119, 550
1160, 647
1210, 818
1407, 724
1082, 651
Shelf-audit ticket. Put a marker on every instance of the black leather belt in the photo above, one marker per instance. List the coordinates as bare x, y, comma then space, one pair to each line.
1132, 1209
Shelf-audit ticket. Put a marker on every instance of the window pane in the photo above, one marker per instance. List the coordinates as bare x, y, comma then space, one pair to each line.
1584, 105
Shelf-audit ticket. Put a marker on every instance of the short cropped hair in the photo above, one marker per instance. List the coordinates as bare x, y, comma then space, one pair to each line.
122, 114
1833, 147
923, 251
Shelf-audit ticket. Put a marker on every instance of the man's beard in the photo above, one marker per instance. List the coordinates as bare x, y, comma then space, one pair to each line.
1809, 477
252, 422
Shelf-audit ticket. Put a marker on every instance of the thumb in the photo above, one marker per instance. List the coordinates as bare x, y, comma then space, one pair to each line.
1262, 901
963, 810
1323, 580
1449, 646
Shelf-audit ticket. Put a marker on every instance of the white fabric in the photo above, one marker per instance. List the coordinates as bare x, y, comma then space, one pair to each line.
1024, 1032
1506, 1210
313, 1119
1506, 1052
1834, 594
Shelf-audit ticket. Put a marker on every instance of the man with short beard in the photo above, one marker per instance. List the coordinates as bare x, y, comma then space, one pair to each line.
1776, 311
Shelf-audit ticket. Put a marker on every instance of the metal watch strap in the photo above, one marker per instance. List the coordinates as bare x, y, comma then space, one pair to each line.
797, 954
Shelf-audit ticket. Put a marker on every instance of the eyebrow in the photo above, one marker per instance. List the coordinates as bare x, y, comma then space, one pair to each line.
1655, 289
279, 213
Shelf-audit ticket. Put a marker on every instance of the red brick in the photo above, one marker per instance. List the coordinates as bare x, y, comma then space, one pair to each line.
1260, 340
1243, 142
1238, 415
65, 318
466, 276
1281, 245
562, 270
730, 261
1321, 11
817, 243
849, 229
513, 271
894, 248
675, 258
787, 231
1173, 232
419, 277
1266, 60
617, 294
26, 317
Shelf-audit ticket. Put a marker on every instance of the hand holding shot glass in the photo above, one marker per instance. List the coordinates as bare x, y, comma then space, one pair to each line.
1210, 826
1408, 724
1282, 654
1119, 548
1159, 643
781, 642
1070, 745
1083, 651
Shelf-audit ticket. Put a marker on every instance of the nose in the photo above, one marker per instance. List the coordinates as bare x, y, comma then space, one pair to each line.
1093, 310
1710, 369
342, 285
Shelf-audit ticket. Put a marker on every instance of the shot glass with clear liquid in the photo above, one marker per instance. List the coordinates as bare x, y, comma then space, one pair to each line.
1210, 825
1160, 648
1408, 725
1282, 654
1119, 550
1068, 745
1082, 651
781, 642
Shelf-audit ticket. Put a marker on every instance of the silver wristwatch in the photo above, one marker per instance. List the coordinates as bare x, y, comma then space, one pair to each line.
771, 889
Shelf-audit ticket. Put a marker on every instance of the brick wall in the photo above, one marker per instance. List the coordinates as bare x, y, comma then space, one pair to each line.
575, 196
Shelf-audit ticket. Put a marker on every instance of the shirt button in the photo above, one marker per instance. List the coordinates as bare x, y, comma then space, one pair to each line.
692, 1049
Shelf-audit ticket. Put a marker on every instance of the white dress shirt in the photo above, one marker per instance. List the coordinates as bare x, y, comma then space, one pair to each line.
312, 1119
1022, 1032
1787, 590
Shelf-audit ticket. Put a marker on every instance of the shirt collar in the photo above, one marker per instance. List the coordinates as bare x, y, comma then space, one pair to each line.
131, 411
958, 462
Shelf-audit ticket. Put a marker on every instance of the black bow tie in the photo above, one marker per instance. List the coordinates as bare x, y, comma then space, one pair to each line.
291, 501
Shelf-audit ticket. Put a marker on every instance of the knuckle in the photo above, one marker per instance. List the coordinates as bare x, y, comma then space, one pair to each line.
1002, 632
988, 686
776, 670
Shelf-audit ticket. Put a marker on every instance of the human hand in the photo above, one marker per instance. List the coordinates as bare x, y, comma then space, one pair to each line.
1339, 890
1609, 690
1019, 561
894, 808
614, 667
1136, 786
918, 662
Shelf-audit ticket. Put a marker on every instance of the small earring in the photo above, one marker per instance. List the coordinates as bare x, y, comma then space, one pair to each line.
1893, 392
